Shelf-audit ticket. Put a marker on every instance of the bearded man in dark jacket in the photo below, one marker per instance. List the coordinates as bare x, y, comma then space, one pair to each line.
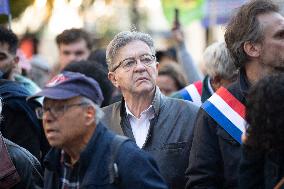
20, 124
255, 39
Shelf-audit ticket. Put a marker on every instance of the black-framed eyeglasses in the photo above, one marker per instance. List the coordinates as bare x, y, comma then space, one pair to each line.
56, 111
127, 64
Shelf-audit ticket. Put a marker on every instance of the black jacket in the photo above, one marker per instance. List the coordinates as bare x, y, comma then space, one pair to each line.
260, 169
215, 155
23, 166
19, 123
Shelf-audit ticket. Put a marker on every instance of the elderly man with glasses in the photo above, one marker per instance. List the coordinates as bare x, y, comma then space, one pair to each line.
84, 153
159, 125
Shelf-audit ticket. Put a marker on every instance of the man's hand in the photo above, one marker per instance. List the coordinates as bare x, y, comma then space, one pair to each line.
178, 35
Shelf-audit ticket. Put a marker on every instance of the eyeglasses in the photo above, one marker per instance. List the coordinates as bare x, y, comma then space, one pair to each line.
56, 111
127, 64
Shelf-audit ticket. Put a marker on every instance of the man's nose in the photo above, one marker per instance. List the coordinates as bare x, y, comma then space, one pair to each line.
47, 116
71, 57
139, 65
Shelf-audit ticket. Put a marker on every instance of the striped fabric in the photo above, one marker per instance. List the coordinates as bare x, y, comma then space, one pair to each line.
227, 111
192, 93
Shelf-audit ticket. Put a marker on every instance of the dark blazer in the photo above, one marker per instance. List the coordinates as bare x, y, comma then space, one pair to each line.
169, 137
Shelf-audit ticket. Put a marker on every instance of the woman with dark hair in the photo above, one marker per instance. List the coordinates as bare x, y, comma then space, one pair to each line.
171, 78
96, 71
262, 163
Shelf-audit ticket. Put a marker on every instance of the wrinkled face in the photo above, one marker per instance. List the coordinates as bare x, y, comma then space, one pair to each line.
66, 127
138, 79
8, 61
166, 84
272, 47
73, 52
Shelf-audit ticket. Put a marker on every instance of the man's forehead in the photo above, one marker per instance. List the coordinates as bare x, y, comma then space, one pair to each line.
133, 49
272, 20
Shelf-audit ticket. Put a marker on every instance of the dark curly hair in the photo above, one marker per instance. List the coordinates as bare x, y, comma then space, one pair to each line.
265, 114
245, 27
96, 71
9, 37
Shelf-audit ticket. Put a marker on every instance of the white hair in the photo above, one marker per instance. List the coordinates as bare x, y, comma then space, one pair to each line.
99, 112
218, 61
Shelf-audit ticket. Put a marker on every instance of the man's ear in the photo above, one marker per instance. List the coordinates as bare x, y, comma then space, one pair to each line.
157, 68
112, 78
216, 82
16, 59
90, 115
252, 49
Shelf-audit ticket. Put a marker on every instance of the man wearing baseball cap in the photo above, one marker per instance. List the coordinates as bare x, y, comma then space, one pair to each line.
84, 153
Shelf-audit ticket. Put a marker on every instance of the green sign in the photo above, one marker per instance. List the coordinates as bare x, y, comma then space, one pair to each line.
189, 10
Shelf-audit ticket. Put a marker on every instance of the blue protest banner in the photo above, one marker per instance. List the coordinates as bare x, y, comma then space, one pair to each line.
219, 11
4, 7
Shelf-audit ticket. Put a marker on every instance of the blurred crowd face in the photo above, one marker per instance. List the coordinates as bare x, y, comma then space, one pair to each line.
166, 84
138, 79
8, 61
76, 51
64, 122
272, 47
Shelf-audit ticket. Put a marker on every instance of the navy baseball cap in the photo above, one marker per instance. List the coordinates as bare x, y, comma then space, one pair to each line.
71, 84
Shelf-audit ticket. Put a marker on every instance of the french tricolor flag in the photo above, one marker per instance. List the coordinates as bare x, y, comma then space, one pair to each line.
192, 93
227, 111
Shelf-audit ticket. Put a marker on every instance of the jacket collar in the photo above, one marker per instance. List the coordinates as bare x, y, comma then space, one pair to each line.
91, 147
206, 91
244, 84
157, 102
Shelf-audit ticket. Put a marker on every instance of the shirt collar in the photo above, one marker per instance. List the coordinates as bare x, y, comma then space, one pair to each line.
210, 86
66, 160
149, 111
156, 103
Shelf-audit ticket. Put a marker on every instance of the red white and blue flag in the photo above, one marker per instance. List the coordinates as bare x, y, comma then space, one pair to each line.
192, 93
227, 111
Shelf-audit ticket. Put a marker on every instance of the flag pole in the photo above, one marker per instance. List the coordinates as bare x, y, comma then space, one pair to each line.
9, 21
9, 16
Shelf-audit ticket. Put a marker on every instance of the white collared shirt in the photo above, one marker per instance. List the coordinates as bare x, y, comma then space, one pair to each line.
140, 126
210, 86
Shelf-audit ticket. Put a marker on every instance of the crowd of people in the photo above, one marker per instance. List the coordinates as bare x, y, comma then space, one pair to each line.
129, 116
